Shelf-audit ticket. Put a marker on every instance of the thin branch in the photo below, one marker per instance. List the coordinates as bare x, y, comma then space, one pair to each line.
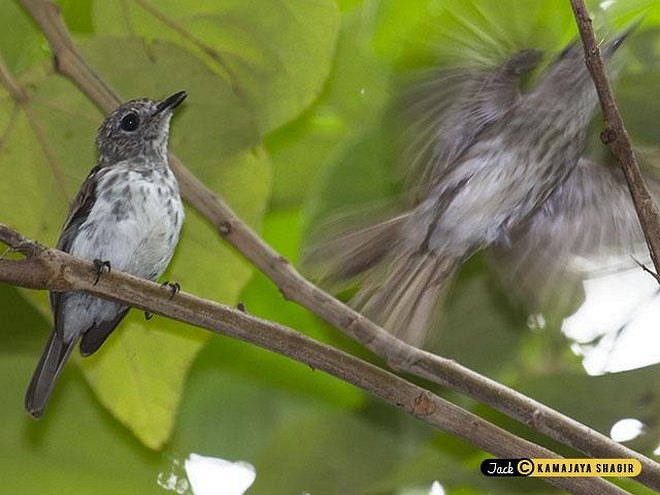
293, 286
616, 137
45, 268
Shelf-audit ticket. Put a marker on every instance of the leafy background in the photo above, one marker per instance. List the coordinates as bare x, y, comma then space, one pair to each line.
286, 101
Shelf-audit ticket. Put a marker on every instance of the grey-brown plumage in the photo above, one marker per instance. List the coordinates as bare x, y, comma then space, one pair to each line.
492, 157
451, 110
590, 216
128, 212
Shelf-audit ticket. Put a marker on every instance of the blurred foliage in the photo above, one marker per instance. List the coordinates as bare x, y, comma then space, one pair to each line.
285, 119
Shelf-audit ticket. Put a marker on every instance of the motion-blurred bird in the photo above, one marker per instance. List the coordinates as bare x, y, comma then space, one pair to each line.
494, 167
127, 215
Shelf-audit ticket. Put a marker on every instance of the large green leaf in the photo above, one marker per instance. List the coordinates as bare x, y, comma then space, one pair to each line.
332, 453
21, 45
77, 448
276, 54
629, 394
26, 326
356, 90
281, 229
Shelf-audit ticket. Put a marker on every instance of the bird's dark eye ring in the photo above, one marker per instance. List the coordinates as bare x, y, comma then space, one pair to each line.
130, 122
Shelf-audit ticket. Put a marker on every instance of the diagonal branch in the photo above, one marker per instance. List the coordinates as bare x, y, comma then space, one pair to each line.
616, 137
45, 268
397, 354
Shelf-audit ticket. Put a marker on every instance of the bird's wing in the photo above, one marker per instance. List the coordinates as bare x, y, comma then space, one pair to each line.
588, 225
79, 210
449, 110
97, 335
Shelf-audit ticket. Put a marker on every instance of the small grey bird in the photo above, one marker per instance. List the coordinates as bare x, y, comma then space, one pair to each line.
491, 158
127, 215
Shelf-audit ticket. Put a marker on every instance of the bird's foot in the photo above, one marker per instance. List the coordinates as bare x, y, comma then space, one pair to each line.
100, 266
174, 287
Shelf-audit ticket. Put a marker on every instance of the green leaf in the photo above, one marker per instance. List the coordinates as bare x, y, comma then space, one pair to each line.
19, 334
276, 55
237, 396
75, 448
263, 299
21, 42
357, 88
428, 31
475, 312
140, 374
629, 394
77, 15
325, 454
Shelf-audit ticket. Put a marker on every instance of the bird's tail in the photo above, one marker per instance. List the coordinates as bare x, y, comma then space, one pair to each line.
400, 288
404, 294
49, 368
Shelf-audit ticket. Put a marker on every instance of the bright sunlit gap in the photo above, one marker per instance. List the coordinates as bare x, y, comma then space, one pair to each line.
436, 489
213, 476
607, 4
617, 327
626, 429
203, 475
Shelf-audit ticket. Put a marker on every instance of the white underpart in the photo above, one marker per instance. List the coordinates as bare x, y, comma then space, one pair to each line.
141, 244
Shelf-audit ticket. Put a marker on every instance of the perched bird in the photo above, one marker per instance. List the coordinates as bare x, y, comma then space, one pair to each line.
491, 158
127, 215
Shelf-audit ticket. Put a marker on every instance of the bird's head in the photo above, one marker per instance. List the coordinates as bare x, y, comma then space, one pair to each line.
137, 128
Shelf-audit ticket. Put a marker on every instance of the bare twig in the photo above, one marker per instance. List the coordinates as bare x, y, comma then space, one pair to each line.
616, 137
45, 268
397, 354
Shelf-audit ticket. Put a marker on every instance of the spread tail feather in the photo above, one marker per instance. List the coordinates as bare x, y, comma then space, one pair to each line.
403, 296
345, 256
400, 288
49, 368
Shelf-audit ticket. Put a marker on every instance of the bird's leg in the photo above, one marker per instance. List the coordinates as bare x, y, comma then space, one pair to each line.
100, 267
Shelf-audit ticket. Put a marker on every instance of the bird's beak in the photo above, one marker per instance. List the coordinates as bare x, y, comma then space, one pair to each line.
171, 102
616, 42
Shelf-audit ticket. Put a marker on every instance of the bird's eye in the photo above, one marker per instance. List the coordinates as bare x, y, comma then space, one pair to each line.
130, 122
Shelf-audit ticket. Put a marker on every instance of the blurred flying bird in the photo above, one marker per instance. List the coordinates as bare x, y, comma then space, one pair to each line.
493, 167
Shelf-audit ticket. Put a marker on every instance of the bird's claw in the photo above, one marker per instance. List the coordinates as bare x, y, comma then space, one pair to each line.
174, 287
100, 267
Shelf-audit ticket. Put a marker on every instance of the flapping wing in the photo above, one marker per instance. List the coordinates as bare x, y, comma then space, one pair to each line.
449, 110
587, 226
